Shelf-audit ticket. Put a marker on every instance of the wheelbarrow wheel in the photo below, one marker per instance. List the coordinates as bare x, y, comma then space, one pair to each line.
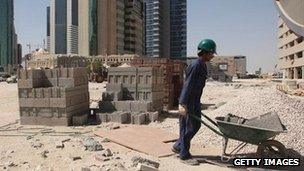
271, 149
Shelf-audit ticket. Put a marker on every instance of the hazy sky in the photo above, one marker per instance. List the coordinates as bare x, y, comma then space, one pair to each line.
239, 27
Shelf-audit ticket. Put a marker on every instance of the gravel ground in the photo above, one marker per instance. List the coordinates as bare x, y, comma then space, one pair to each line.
249, 99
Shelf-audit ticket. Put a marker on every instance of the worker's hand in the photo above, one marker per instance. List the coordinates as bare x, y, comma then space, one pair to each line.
182, 110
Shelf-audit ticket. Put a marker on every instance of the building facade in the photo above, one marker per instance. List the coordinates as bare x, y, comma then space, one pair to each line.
134, 32
290, 38
157, 25
178, 34
87, 36
64, 26
48, 29
7, 34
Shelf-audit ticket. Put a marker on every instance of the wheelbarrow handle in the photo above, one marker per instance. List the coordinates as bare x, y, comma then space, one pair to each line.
207, 125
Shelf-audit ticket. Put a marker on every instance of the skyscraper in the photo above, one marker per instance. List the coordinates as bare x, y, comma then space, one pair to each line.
7, 33
111, 26
134, 32
48, 31
64, 26
166, 28
178, 27
87, 27
157, 28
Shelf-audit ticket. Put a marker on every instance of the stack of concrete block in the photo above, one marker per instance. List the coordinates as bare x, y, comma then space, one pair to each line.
170, 68
133, 89
53, 96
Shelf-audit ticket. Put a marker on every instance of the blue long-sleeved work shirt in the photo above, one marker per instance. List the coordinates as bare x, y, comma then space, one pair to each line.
196, 75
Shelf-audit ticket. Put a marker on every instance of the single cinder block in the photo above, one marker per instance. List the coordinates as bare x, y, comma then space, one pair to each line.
23, 93
134, 106
58, 102
145, 106
24, 111
138, 119
107, 106
80, 119
25, 102
64, 72
114, 87
102, 117
153, 116
45, 112
123, 106
39, 93
47, 92
119, 117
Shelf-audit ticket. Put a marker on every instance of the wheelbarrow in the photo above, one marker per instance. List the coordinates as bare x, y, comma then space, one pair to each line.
259, 131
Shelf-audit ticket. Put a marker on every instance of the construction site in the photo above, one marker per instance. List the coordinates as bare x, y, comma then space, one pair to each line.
122, 112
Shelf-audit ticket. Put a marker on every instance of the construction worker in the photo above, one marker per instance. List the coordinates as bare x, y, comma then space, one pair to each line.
189, 102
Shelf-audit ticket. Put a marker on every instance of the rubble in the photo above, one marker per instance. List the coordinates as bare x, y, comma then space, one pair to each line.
91, 144
143, 167
139, 160
107, 153
36, 144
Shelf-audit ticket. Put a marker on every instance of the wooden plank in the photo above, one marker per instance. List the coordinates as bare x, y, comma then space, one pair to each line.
141, 138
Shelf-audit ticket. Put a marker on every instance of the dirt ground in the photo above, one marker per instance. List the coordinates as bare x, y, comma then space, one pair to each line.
36, 147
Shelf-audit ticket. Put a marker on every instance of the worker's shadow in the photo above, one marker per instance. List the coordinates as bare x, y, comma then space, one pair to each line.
216, 160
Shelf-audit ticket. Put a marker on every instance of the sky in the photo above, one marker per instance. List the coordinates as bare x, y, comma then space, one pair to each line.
239, 27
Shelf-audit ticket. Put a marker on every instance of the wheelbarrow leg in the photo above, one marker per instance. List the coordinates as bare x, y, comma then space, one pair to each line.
224, 157
225, 142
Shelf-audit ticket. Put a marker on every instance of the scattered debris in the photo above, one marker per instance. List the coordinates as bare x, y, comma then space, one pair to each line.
107, 153
74, 158
44, 153
10, 164
92, 145
220, 104
36, 145
29, 137
143, 167
136, 160
66, 140
59, 144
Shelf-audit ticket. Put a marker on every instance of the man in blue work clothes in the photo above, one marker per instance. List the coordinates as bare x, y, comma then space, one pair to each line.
190, 98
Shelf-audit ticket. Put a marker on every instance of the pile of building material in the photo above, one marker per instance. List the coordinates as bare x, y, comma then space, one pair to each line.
135, 90
173, 76
53, 96
291, 87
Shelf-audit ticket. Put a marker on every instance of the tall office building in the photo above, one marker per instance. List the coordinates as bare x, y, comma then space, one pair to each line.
7, 34
87, 36
111, 26
290, 38
157, 20
48, 31
64, 26
178, 27
134, 32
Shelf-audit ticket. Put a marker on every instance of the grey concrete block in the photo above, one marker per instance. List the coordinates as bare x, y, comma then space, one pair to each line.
29, 83
44, 121
47, 92
107, 106
45, 112
120, 117
146, 106
102, 117
123, 106
23, 93
80, 119
114, 87
39, 93
138, 119
58, 102
153, 116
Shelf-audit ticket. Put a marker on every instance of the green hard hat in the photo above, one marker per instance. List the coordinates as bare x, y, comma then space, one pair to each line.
207, 45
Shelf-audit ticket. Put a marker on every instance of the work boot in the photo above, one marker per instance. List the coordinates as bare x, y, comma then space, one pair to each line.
189, 161
175, 150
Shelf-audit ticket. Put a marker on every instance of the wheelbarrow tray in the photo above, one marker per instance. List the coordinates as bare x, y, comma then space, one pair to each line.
248, 134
